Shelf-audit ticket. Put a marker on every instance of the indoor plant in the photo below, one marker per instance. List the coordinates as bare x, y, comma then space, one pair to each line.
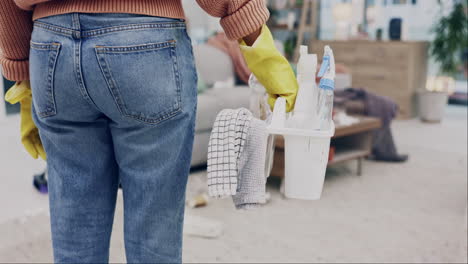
449, 42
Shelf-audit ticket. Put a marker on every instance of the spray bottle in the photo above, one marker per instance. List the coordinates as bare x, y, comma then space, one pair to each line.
304, 115
326, 87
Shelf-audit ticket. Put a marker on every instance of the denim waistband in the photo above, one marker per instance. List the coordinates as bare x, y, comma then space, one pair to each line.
82, 25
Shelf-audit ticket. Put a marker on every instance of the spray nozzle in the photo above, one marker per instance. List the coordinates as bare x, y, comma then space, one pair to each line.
325, 66
328, 63
327, 71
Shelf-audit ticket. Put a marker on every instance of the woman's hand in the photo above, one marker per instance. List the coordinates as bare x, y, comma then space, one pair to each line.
270, 67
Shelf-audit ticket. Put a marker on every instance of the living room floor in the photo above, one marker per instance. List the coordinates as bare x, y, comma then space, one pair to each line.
411, 212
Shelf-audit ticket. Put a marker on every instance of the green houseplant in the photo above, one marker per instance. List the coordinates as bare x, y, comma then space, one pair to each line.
450, 39
449, 42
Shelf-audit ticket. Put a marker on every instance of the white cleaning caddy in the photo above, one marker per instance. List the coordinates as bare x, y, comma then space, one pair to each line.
306, 136
306, 155
307, 130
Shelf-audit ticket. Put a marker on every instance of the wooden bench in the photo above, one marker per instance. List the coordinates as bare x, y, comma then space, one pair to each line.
353, 142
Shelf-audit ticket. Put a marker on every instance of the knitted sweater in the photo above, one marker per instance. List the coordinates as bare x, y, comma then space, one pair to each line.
239, 18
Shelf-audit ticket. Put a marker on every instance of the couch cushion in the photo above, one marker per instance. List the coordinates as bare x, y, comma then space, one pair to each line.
212, 64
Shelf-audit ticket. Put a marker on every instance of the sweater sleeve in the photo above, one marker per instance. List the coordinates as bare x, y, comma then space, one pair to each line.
15, 34
239, 18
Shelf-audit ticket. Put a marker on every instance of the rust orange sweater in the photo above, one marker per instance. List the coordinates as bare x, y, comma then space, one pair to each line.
239, 18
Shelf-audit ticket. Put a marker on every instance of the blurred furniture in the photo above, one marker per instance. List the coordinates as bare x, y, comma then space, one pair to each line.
394, 69
293, 23
213, 65
352, 142
308, 24
343, 81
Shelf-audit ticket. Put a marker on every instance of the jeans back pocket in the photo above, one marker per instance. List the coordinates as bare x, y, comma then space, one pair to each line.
42, 61
143, 79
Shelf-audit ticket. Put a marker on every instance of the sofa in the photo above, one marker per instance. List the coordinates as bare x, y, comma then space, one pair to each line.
213, 66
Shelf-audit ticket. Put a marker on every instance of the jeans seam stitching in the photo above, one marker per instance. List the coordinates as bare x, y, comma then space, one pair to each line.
96, 32
79, 76
77, 61
44, 46
56, 29
101, 31
107, 33
51, 63
177, 76
136, 48
109, 81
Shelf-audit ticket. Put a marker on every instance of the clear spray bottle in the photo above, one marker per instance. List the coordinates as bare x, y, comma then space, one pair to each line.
326, 89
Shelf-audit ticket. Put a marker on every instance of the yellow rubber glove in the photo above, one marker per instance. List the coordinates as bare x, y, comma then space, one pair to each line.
21, 92
271, 69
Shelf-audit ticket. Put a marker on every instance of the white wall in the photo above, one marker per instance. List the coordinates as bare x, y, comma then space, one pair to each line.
417, 19
327, 22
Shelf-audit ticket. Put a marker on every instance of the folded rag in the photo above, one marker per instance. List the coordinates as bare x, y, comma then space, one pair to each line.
251, 191
236, 158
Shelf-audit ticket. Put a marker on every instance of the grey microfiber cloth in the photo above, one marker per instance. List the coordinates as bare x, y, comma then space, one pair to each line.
236, 158
251, 190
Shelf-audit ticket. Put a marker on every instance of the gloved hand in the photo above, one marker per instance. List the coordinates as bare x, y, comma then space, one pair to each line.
21, 92
271, 69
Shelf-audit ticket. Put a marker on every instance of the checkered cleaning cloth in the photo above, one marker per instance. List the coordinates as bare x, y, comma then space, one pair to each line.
236, 158
226, 144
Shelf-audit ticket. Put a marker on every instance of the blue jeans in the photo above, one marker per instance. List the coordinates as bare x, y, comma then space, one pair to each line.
114, 98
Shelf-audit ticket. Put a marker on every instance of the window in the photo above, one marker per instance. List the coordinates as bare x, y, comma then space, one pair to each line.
399, 2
